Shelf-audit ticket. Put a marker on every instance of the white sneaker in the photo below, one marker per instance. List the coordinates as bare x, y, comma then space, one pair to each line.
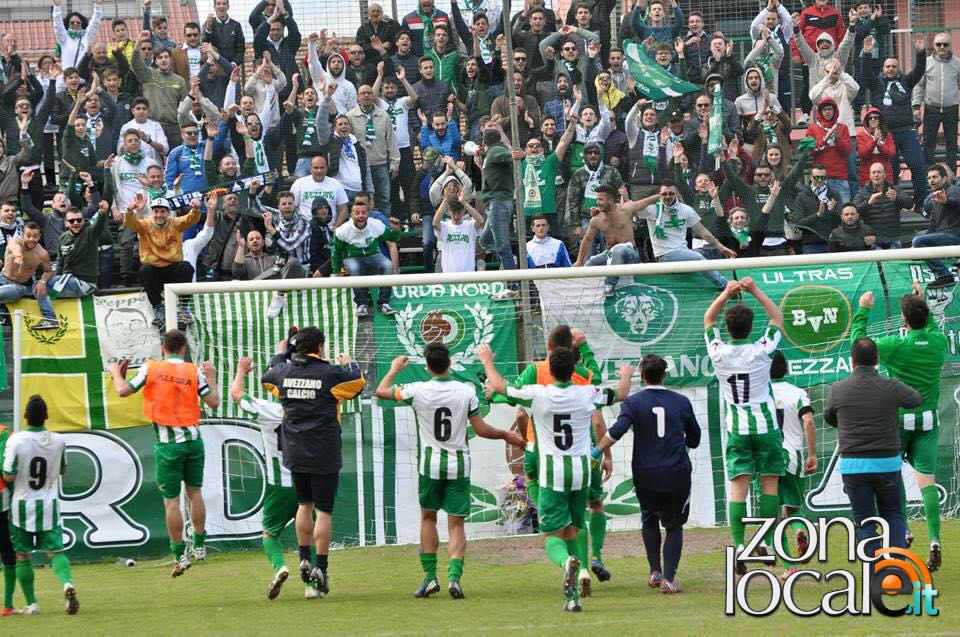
71, 605
363, 311
32, 609
277, 582
180, 566
276, 305
311, 592
505, 295
199, 553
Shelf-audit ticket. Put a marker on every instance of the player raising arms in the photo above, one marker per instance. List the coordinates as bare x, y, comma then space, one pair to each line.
33, 463
443, 408
562, 415
280, 500
916, 358
754, 438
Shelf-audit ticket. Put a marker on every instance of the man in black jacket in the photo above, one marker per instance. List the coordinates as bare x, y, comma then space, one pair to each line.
225, 33
283, 48
377, 35
816, 211
942, 206
864, 409
880, 203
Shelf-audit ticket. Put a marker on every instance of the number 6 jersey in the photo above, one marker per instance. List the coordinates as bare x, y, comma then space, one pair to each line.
743, 372
442, 408
562, 415
36, 457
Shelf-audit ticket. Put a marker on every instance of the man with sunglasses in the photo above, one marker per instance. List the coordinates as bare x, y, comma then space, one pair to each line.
939, 91
78, 253
186, 161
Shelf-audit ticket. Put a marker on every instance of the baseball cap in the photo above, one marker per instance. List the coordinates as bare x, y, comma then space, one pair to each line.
160, 203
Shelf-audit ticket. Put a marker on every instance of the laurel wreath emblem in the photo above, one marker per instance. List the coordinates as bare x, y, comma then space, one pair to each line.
482, 333
45, 336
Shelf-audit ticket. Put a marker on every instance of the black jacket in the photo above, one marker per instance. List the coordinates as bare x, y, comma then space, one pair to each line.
899, 112
227, 37
805, 206
884, 215
283, 55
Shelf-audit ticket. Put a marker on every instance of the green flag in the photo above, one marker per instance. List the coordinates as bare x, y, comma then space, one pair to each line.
653, 81
715, 139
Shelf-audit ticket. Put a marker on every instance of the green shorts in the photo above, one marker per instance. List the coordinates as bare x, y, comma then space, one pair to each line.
919, 448
178, 462
531, 463
560, 509
755, 454
279, 508
791, 482
27, 542
450, 495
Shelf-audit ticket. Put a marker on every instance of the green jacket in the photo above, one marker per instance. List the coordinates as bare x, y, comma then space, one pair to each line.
915, 358
351, 242
78, 254
497, 174
754, 197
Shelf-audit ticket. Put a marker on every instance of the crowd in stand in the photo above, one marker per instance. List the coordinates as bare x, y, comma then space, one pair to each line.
162, 153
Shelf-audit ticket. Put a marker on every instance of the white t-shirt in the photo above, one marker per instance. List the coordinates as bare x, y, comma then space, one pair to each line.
193, 59
459, 252
155, 131
349, 174
193, 247
305, 190
398, 116
675, 223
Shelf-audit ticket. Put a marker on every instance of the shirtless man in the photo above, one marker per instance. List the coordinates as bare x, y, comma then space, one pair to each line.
24, 256
667, 220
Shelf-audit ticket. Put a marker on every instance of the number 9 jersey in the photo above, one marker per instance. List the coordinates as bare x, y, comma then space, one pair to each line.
442, 408
36, 457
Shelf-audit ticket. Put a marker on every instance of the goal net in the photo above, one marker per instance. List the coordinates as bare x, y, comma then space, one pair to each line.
652, 311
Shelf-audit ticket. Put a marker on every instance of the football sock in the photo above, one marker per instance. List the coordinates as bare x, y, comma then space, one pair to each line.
931, 510
769, 507
428, 562
306, 553
651, 543
738, 511
455, 569
61, 568
598, 533
199, 539
177, 549
583, 548
274, 551
556, 550
25, 577
573, 547
322, 563
9, 584
672, 548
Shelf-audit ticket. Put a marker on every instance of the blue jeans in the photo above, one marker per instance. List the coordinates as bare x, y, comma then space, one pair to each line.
71, 289
908, 147
620, 254
874, 494
362, 266
842, 186
709, 252
303, 167
381, 187
495, 235
683, 254
892, 245
936, 239
815, 248
599, 243
13, 291
429, 244
105, 280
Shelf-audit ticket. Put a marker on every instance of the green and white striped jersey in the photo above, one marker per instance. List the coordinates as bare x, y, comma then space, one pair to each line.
5, 434
743, 371
36, 457
269, 419
443, 408
172, 434
562, 415
792, 403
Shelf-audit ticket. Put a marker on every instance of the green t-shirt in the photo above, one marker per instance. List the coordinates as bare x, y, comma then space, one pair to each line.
540, 185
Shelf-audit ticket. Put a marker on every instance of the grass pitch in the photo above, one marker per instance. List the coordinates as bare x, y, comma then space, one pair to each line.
510, 587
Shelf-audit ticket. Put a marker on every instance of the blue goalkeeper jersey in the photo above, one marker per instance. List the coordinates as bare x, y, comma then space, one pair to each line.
663, 427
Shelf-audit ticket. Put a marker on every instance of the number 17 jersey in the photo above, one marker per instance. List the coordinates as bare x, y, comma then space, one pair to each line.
743, 372
443, 408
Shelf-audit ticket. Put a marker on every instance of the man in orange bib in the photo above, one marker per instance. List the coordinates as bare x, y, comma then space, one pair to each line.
170, 390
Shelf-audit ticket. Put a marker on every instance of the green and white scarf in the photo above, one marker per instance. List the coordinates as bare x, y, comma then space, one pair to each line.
532, 200
310, 127
133, 158
370, 133
260, 156
770, 132
651, 148
427, 22
887, 100
661, 220
742, 235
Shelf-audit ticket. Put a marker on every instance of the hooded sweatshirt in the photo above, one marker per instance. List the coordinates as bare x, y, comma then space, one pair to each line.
345, 97
832, 149
816, 59
750, 102
870, 151
843, 92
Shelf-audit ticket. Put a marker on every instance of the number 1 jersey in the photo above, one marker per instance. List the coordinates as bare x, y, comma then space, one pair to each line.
443, 408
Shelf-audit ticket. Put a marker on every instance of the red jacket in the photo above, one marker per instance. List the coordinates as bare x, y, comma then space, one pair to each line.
870, 152
814, 21
832, 155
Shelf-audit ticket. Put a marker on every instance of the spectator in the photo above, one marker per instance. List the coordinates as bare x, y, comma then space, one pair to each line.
816, 20
770, 130
498, 197
23, 256
79, 156
378, 35
420, 23
359, 71
348, 160
544, 251
127, 169
879, 203
869, 21
406, 58
942, 206
579, 68
356, 250
473, 94
939, 91
318, 184
159, 29
833, 146
74, 34
422, 205
705, 199
186, 161
659, 27
52, 225
10, 61
163, 88
374, 128
529, 39
539, 171
524, 20
440, 135
528, 111
79, 256
267, 85
214, 74
225, 33
122, 45
281, 38
696, 47
321, 238
732, 126
149, 131
433, 95
584, 183
220, 253
891, 93
66, 98
875, 144
311, 124
851, 235
93, 61
817, 211
864, 410
458, 237
161, 251
9, 164
263, 11
757, 96
446, 58
344, 96
188, 58
725, 66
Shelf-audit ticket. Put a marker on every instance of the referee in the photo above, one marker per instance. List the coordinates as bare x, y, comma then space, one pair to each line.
663, 427
310, 390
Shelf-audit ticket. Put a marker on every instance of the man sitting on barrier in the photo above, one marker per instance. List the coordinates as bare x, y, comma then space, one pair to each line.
356, 251
21, 260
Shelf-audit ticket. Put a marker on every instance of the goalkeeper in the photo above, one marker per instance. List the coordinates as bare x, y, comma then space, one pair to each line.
916, 358
280, 500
